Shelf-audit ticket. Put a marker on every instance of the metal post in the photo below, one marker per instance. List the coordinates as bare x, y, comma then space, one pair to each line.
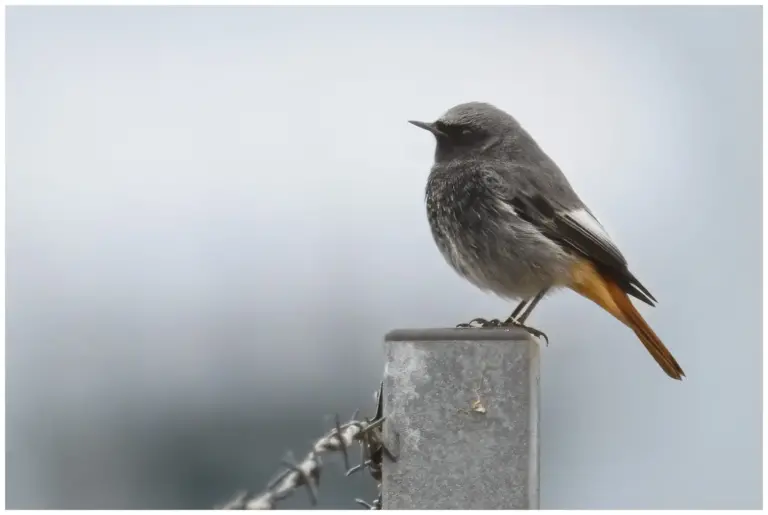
464, 404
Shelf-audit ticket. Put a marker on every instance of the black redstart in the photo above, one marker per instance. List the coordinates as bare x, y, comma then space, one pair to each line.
505, 218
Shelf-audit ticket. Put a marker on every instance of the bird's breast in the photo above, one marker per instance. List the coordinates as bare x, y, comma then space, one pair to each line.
488, 244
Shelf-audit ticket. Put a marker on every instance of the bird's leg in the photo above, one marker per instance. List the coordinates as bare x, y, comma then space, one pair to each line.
516, 319
518, 309
522, 318
483, 323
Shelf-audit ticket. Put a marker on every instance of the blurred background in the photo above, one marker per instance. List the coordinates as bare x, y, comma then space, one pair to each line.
214, 215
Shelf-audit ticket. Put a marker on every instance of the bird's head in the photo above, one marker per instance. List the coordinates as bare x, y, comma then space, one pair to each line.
474, 129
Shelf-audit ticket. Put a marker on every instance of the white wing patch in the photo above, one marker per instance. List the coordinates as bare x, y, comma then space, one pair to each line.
592, 225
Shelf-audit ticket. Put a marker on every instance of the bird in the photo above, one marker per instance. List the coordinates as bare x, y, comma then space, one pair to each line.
505, 218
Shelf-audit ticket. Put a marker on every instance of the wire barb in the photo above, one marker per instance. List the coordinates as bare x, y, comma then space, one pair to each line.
366, 432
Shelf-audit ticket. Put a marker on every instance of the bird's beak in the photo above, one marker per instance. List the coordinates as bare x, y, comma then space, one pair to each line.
427, 127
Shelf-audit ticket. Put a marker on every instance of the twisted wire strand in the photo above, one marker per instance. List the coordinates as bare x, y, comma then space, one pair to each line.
306, 473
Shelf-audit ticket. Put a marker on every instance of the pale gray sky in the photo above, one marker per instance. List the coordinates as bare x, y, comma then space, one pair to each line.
214, 211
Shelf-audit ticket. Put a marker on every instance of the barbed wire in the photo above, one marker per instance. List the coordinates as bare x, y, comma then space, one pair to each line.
366, 432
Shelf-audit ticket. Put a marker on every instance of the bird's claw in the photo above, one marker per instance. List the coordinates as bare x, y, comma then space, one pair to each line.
481, 323
511, 322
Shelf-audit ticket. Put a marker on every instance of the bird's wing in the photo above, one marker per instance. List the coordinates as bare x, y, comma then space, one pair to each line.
578, 230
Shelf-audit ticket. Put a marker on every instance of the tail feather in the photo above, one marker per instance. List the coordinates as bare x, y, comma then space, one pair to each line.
587, 281
646, 335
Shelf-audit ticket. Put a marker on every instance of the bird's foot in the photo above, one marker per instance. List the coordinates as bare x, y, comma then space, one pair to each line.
481, 323
511, 322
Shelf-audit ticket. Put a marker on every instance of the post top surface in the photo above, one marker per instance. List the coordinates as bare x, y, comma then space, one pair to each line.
458, 334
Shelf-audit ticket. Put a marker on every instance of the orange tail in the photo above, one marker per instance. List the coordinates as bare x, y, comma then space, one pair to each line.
587, 281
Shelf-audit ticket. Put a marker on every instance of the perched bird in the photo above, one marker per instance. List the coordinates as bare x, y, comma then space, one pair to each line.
506, 218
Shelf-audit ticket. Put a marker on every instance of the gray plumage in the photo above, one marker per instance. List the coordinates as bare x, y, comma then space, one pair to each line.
505, 217
503, 214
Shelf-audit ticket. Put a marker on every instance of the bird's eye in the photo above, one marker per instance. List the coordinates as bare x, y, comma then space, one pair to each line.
442, 127
455, 132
